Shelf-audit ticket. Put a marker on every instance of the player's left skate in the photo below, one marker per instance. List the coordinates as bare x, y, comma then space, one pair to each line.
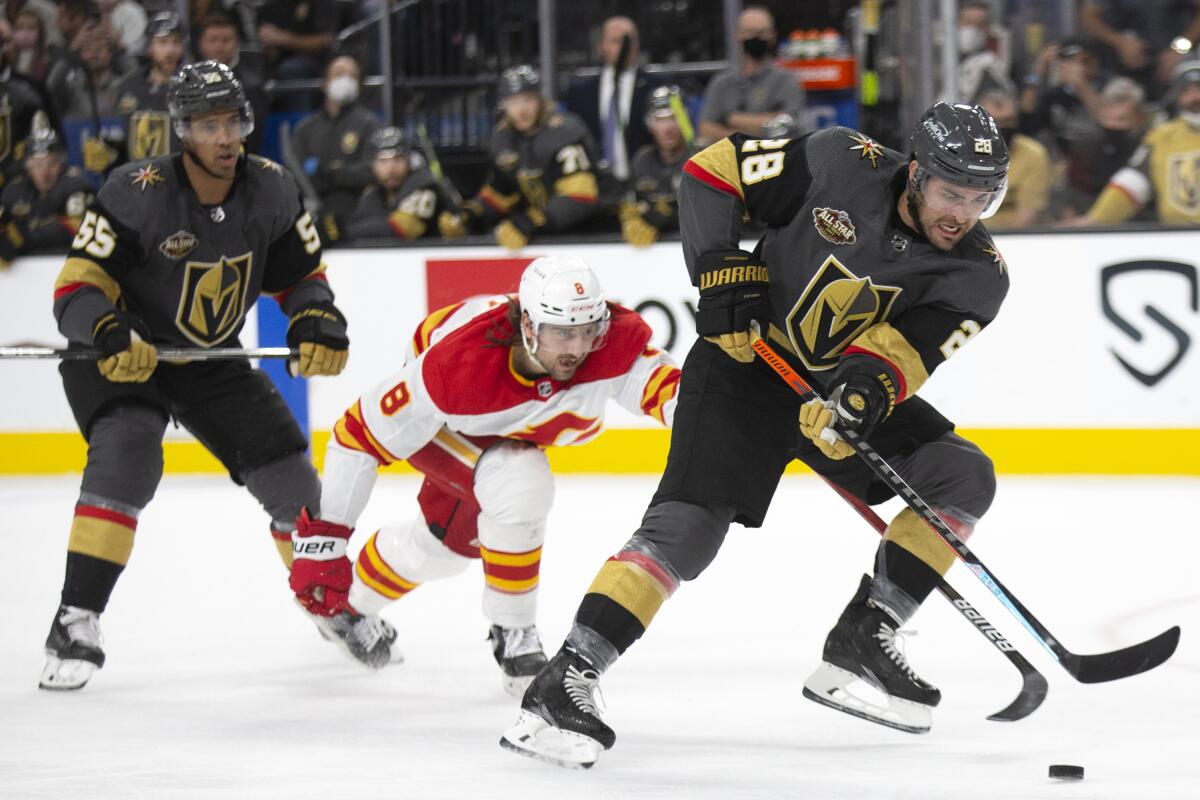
864, 672
367, 638
560, 723
73, 649
519, 653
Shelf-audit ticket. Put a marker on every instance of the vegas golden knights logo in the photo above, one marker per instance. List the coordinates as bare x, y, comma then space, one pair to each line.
530, 181
149, 131
214, 299
835, 308
1184, 181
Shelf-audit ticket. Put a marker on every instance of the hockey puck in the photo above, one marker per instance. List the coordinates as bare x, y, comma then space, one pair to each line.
1066, 772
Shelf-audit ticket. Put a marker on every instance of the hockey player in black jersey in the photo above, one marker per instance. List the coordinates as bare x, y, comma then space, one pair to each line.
657, 171
873, 270
142, 95
43, 207
404, 202
542, 177
173, 251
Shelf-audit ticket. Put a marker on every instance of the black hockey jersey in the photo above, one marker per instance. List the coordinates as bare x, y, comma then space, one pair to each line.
189, 271
847, 276
19, 101
656, 186
406, 213
49, 221
143, 108
550, 170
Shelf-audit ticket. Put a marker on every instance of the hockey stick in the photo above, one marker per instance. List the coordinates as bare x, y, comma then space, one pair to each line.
1033, 683
435, 165
1094, 668
164, 353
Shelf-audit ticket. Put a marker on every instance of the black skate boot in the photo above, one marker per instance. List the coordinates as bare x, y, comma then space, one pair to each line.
862, 648
519, 653
559, 721
73, 649
367, 638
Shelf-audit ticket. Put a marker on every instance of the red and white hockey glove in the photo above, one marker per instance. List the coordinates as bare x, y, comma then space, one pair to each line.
321, 573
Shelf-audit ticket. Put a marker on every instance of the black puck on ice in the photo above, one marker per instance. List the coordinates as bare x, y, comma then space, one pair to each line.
1066, 772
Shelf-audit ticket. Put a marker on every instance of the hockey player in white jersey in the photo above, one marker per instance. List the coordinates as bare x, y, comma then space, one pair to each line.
489, 384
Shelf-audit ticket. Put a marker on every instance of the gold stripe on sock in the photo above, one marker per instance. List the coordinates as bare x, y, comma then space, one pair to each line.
914, 535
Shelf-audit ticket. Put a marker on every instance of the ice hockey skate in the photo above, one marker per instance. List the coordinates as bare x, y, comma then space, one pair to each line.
560, 723
864, 673
519, 653
367, 638
73, 651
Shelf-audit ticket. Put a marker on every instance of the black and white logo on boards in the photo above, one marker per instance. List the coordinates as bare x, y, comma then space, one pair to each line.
1132, 299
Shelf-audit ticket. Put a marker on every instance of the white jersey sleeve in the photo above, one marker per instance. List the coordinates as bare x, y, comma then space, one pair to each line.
651, 386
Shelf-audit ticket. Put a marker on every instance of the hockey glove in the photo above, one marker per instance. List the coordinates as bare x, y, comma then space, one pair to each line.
321, 573
516, 231
637, 231
858, 400
733, 293
457, 224
318, 330
128, 357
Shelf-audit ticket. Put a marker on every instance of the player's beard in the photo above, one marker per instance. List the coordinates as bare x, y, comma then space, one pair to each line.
215, 169
929, 224
560, 366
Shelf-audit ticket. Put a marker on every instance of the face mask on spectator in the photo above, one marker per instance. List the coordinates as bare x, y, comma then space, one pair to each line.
342, 90
756, 47
970, 39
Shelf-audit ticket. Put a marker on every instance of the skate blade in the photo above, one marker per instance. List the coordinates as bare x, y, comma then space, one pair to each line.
535, 738
829, 686
65, 674
515, 685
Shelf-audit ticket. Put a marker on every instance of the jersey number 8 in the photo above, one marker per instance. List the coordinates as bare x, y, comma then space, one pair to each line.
96, 236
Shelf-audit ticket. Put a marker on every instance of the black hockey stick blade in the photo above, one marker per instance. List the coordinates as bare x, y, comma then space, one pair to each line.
1132, 660
1033, 692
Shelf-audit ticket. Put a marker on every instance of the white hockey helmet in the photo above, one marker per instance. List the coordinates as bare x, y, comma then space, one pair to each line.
562, 291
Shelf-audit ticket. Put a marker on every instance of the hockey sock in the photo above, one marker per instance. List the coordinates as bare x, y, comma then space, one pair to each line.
376, 583
99, 547
624, 597
910, 562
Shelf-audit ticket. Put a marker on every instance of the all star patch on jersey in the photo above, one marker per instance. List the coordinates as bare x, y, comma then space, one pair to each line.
146, 177
834, 225
868, 147
178, 244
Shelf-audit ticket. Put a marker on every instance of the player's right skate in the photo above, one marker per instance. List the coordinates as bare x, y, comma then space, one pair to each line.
862, 648
559, 721
519, 653
73, 650
367, 638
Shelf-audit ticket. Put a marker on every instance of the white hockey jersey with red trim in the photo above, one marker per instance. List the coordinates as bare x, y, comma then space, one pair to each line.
458, 377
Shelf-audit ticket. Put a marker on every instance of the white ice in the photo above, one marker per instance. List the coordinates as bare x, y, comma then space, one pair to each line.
217, 687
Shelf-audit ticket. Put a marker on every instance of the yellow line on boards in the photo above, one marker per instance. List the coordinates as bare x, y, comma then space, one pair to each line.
644, 451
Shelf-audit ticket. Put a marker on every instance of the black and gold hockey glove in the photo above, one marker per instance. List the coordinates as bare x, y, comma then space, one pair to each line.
457, 224
318, 330
516, 231
733, 293
859, 399
123, 340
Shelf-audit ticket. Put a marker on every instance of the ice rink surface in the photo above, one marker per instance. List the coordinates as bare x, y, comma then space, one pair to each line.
217, 687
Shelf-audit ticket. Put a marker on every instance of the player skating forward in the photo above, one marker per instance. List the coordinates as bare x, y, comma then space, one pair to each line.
488, 385
173, 251
878, 272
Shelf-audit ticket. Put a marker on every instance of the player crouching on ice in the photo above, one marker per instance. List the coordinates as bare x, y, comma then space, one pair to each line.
487, 386
873, 272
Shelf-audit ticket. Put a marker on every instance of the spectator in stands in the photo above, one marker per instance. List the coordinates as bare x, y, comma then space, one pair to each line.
217, 38
980, 66
42, 207
404, 200
1121, 118
612, 104
128, 19
69, 20
1163, 169
27, 49
754, 97
1060, 99
330, 146
541, 177
143, 93
25, 102
1140, 34
658, 169
296, 36
85, 87
46, 12
1029, 170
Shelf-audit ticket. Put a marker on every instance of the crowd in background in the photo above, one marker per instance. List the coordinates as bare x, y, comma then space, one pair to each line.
1103, 126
